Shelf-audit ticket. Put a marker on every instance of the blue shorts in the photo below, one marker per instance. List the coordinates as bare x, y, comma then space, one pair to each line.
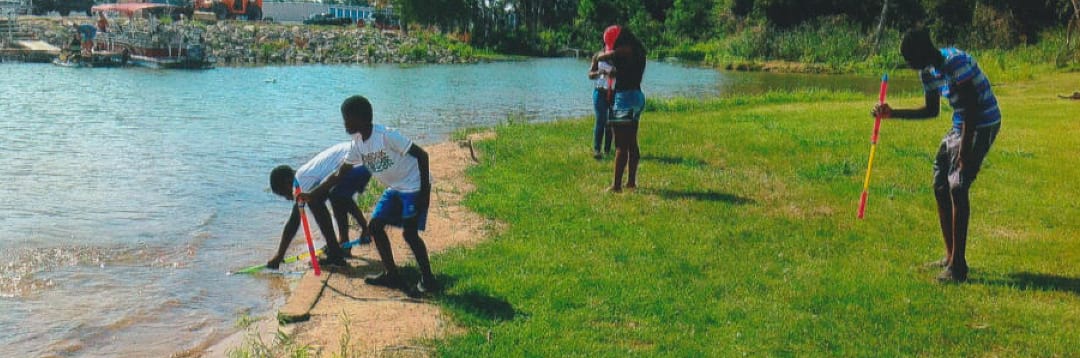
396, 208
354, 182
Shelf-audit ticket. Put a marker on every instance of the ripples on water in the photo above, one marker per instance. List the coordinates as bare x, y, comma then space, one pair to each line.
129, 193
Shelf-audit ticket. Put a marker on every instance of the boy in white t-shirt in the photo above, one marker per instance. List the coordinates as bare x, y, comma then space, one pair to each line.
315, 171
401, 166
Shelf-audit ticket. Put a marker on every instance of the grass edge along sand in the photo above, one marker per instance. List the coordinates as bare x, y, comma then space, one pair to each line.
742, 238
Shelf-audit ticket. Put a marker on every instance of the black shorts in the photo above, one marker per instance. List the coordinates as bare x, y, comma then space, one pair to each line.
947, 170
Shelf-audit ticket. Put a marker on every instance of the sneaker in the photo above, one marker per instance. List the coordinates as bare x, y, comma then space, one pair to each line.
385, 280
952, 276
332, 262
394, 282
427, 286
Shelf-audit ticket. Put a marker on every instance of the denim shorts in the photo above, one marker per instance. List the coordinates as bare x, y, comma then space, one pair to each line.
397, 208
627, 108
947, 170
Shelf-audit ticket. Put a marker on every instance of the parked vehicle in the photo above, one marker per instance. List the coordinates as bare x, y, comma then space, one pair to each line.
232, 9
327, 19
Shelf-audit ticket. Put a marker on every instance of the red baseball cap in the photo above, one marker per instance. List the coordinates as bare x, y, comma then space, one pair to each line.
610, 34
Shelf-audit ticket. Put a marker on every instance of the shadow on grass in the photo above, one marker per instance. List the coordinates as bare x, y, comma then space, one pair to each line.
480, 305
470, 302
689, 162
1038, 281
698, 195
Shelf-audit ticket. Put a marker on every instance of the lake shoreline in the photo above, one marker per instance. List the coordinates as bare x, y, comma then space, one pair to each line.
244, 43
254, 44
377, 318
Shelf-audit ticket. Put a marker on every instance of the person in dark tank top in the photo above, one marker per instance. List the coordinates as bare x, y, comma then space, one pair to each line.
626, 54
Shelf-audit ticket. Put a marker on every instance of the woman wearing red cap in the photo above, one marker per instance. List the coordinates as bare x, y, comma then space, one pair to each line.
625, 52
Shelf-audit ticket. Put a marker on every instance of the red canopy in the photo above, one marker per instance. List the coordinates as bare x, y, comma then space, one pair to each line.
129, 9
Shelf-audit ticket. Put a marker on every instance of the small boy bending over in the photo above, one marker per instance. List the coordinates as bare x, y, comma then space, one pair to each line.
340, 195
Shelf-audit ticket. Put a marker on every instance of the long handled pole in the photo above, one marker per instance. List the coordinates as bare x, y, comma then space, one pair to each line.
290, 259
873, 147
307, 229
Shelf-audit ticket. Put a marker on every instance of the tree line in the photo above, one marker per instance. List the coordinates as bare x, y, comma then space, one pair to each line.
548, 27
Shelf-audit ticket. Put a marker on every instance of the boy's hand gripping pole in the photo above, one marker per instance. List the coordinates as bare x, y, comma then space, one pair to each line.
873, 146
307, 229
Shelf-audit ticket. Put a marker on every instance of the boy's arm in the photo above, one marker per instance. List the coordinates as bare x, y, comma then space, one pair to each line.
930, 110
287, 235
425, 175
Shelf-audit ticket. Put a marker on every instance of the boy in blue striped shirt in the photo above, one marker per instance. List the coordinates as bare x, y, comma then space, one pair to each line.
976, 121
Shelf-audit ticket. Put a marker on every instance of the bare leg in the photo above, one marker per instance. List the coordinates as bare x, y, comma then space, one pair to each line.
945, 218
340, 207
634, 156
961, 214
622, 156
412, 237
382, 244
326, 226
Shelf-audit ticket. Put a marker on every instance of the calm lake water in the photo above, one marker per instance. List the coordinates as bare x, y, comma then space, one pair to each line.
128, 193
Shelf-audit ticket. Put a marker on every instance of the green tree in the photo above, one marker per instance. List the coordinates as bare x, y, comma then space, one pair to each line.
691, 19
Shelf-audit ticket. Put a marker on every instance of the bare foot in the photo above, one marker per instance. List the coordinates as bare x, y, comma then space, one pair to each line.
631, 186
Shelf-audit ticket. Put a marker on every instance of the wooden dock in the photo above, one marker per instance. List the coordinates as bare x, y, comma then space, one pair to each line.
29, 51
18, 44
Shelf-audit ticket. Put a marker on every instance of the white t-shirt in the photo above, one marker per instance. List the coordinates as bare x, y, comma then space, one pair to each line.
603, 67
322, 165
385, 154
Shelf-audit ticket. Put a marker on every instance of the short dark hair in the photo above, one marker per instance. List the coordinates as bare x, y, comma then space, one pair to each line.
281, 180
916, 43
356, 107
627, 38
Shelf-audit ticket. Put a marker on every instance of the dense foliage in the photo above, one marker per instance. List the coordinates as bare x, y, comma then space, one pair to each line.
742, 28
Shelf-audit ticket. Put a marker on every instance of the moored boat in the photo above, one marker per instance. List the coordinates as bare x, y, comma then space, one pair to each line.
97, 59
147, 41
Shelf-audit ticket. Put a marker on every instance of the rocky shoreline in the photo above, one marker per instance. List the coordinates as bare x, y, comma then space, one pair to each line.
242, 43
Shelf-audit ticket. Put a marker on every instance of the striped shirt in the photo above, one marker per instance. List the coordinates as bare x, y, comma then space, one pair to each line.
959, 67
312, 173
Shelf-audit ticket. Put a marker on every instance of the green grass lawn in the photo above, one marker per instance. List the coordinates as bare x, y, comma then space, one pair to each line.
742, 238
